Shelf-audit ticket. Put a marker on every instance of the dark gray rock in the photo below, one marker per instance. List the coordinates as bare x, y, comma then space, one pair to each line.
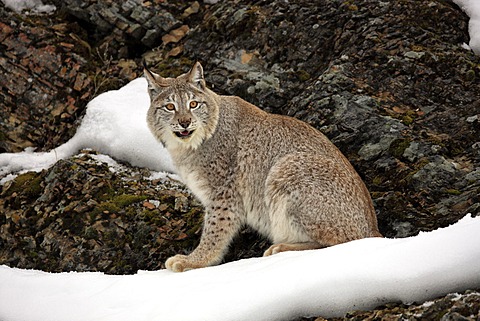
123, 20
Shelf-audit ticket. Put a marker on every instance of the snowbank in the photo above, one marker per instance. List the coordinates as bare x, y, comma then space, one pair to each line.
114, 124
472, 9
329, 282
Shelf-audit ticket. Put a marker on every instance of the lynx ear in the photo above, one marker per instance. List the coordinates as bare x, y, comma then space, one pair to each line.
155, 81
195, 76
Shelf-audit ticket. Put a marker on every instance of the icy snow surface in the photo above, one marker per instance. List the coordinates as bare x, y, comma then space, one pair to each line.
328, 282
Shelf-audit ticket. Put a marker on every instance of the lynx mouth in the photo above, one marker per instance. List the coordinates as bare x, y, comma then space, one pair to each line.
184, 134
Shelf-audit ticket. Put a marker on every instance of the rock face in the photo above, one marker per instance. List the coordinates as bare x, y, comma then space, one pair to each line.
81, 216
388, 82
49, 72
465, 306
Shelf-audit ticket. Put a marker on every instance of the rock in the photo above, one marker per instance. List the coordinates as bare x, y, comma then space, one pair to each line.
434, 174
193, 9
412, 152
128, 21
79, 212
458, 306
414, 54
175, 35
48, 76
372, 151
472, 119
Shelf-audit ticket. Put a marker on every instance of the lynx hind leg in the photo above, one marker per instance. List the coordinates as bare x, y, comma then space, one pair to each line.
283, 247
314, 203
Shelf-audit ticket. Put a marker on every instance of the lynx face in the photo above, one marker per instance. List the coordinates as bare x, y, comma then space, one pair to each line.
182, 113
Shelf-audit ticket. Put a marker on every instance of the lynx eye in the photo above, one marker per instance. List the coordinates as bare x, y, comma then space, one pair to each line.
193, 104
169, 107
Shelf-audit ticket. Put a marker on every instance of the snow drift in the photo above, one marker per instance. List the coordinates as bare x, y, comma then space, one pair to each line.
328, 282
114, 124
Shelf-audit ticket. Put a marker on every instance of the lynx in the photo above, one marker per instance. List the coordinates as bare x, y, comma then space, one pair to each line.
274, 173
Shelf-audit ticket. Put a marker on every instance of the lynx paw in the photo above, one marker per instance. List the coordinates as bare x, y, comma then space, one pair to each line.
274, 249
181, 263
282, 247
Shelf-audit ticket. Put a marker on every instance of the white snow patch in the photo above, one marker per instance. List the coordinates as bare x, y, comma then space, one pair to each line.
163, 176
114, 124
36, 6
472, 9
112, 164
328, 282
155, 203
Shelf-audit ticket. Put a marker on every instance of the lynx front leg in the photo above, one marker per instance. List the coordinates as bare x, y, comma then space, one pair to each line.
219, 228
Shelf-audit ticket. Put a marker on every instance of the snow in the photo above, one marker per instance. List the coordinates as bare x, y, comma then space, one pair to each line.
328, 282
35, 6
114, 124
472, 9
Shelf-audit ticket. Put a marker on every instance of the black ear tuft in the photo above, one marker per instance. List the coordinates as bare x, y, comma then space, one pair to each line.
155, 81
150, 76
195, 76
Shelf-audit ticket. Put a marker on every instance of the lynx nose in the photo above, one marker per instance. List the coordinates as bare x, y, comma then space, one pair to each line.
184, 122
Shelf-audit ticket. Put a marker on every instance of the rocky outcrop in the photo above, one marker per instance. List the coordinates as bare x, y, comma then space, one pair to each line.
81, 216
127, 21
389, 82
49, 72
459, 307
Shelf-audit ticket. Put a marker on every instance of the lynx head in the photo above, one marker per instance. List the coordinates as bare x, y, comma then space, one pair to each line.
183, 111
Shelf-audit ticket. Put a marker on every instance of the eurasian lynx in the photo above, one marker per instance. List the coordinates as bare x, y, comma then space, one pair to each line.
275, 173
